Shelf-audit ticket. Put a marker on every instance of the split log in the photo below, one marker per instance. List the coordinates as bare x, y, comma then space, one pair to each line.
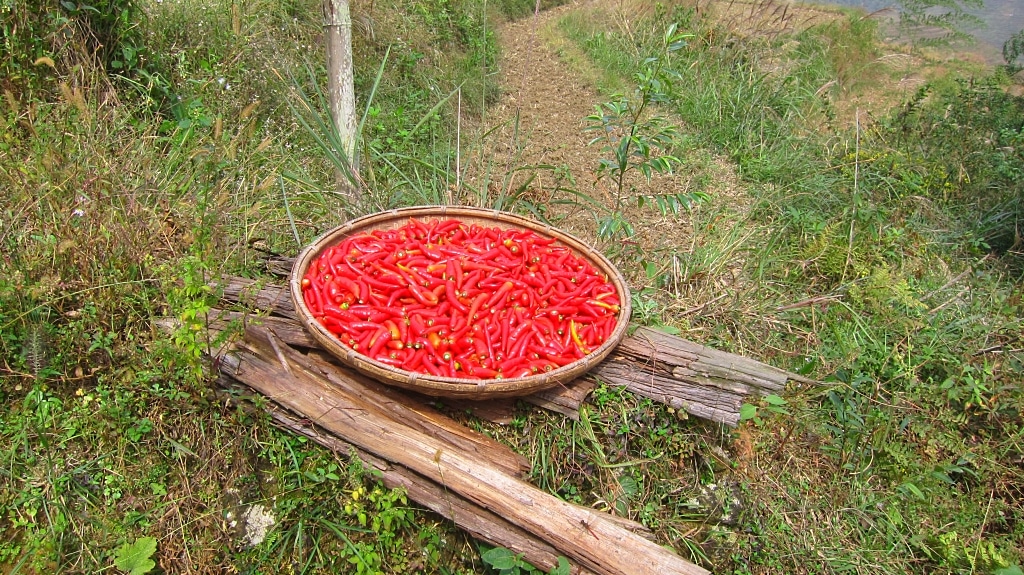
479, 523
588, 537
564, 399
703, 381
415, 414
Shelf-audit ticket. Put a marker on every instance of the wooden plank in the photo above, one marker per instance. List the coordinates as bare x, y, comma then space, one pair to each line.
653, 348
272, 298
413, 411
288, 330
499, 410
479, 523
703, 381
565, 399
586, 536
709, 403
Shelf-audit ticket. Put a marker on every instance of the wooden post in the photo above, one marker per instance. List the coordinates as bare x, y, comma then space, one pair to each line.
341, 93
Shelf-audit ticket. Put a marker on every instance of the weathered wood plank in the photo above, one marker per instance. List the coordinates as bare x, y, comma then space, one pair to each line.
288, 330
655, 350
709, 403
272, 298
479, 523
586, 536
565, 399
703, 381
414, 412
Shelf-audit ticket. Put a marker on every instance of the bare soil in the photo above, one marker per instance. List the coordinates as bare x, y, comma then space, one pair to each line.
536, 131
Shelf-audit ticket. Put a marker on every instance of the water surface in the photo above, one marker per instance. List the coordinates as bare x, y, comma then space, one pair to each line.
1002, 18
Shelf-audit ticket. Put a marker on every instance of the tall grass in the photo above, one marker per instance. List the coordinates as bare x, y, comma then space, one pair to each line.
861, 264
120, 207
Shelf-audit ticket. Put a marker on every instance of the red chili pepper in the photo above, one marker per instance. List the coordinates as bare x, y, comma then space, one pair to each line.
446, 227
460, 299
414, 361
438, 291
518, 347
417, 228
378, 316
488, 340
474, 308
512, 364
477, 266
430, 367
423, 296
417, 325
333, 325
393, 329
339, 314
485, 372
377, 343
314, 301
394, 362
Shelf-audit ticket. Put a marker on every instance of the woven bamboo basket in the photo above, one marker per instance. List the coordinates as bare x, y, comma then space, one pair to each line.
464, 388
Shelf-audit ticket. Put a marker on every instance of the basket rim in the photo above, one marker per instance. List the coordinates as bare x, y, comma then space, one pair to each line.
453, 386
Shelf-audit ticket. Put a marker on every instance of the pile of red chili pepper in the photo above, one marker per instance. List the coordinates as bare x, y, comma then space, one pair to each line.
449, 299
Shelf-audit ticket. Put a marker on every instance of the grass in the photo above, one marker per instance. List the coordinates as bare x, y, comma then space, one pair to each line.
868, 242
888, 454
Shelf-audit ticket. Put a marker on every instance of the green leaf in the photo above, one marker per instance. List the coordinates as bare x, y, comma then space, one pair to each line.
562, 568
1011, 570
629, 485
772, 399
500, 558
135, 558
651, 269
747, 411
913, 490
669, 329
809, 364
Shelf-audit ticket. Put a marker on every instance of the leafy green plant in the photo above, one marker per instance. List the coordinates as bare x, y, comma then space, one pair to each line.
772, 404
135, 558
192, 300
505, 562
648, 311
1013, 49
139, 429
949, 550
949, 16
639, 140
957, 143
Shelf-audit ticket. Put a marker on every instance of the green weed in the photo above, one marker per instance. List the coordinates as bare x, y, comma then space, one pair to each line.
869, 230
635, 141
506, 562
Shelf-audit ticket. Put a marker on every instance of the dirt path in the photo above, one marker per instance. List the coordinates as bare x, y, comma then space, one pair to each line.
537, 131
550, 98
